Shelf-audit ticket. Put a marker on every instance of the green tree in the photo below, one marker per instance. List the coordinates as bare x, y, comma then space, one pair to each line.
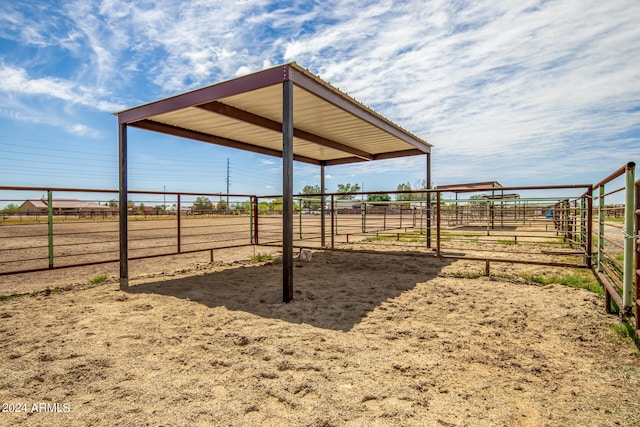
311, 203
417, 197
202, 205
378, 198
141, 208
276, 205
222, 205
403, 197
243, 207
11, 208
158, 210
113, 203
346, 191
263, 208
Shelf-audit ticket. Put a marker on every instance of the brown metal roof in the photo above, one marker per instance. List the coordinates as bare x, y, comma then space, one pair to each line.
330, 127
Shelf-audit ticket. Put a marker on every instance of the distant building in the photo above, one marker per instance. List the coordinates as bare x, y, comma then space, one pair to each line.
64, 207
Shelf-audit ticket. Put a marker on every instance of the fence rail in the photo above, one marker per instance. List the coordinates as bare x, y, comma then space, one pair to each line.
511, 225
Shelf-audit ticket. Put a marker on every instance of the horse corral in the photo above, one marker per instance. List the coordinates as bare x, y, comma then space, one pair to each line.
428, 310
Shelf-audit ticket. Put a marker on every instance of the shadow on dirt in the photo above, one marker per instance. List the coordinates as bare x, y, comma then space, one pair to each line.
335, 290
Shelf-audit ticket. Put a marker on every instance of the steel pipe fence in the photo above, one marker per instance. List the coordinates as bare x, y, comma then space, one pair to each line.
167, 223
616, 236
50, 228
496, 227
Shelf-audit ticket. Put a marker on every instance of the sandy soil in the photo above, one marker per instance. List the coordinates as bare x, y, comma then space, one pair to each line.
370, 339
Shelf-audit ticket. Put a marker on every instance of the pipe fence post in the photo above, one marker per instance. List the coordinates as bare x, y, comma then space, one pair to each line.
333, 222
300, 222
179, 225
438, 218
637, 256
251, 239
256, 212
601, 229
50, 226
629, 237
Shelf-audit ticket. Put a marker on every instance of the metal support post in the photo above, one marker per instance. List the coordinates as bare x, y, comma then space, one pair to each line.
122, 207
322, 207
287, 190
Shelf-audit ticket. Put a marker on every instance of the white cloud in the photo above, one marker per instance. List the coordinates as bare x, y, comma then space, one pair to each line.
504, 90
17, 81
491, 82
83, 130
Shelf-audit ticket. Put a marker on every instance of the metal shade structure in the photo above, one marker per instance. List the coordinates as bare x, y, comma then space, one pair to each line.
284, 111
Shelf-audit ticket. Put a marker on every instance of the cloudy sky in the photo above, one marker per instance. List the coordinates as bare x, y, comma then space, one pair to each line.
523, 92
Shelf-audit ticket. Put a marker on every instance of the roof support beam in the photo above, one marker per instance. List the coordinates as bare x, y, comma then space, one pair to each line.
254, 119
232, 87
212, 139
381, 156
287, 191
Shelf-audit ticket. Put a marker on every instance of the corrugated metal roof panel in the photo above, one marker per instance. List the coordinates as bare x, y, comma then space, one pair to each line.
329, 125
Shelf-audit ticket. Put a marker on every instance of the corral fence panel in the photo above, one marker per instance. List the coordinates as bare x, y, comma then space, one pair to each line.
581, 226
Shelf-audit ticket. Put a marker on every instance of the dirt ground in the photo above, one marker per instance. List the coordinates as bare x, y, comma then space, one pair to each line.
370, 339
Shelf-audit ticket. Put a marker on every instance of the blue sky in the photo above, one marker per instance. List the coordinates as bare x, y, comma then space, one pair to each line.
521, 92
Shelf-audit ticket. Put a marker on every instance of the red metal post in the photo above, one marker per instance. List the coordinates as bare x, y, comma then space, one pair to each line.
589, 207
438, 223
179, 227
636, 245
254, 206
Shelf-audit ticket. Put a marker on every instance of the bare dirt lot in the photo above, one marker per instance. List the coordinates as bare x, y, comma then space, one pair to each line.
370, 339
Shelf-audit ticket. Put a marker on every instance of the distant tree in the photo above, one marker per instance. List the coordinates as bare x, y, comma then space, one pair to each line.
276, 205
346, 191
222, 205
158, 210
243, 207
378, 198
113, 203
263, 208
417, 197
202, 205
314, 203
11, 208
141, 208
403, 197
